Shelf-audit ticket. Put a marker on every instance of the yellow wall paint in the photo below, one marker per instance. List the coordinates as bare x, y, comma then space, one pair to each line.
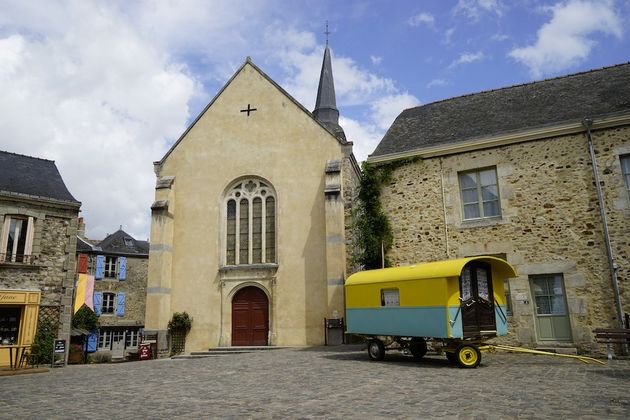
279, 143
29, 302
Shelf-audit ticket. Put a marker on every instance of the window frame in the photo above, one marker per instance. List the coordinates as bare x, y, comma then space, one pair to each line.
252, 194
113, 304
107, 267
25, 236
393, 291
625, 175
478, 188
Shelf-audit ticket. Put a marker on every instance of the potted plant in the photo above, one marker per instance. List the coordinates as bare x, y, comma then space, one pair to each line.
75, 354
178, 328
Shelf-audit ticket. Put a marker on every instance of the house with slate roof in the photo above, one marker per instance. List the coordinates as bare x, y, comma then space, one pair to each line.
538, 174
116, 269
37, 250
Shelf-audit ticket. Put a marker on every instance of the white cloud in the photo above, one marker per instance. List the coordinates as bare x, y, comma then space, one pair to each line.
467, 58
83, 88
568, 38
387, 108
376, 60
499, 37
437, 83
302, 62
475, 9
448, 35
421, 19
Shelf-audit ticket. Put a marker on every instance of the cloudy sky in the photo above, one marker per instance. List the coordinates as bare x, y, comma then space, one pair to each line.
105, 87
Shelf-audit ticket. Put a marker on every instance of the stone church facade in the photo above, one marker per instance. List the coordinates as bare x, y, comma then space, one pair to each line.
509, 173
248, 231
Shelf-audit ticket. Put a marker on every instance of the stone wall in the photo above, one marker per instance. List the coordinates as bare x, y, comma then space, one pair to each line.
53, 257
135, 288
549, 223
350, 190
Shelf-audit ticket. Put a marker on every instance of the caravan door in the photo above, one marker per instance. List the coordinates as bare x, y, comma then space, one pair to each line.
477, 302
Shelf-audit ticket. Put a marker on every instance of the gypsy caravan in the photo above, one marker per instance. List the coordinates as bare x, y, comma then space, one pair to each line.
456, 303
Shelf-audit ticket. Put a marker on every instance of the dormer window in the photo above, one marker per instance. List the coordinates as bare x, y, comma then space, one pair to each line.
128, 241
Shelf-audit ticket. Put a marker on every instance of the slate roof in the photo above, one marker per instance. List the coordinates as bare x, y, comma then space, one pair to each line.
565, 99
118, 243
32, 176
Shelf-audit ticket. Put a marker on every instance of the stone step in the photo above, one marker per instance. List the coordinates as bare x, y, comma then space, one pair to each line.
218, 351
239, 349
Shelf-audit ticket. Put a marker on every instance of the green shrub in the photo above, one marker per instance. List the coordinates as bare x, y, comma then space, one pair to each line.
45, 339
99, 357
180, 322
85, 319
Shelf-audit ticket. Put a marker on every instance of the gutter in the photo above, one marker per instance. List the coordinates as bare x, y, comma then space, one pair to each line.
588, 123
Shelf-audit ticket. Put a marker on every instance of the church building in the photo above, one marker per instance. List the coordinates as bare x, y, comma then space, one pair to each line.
248, 232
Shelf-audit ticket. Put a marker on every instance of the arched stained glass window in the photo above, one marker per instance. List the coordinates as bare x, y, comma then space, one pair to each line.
250, 230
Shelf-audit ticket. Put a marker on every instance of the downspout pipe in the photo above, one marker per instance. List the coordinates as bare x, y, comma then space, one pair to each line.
588, 123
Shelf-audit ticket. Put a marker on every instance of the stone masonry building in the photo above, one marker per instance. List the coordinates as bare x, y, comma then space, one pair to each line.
509, 172
117, 268
37, 249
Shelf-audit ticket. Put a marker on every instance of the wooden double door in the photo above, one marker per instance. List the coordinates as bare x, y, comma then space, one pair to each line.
250, 317
477, 298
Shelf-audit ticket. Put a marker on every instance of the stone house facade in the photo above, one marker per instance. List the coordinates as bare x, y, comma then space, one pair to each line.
117, 268
509, 173
37, 249
248, 232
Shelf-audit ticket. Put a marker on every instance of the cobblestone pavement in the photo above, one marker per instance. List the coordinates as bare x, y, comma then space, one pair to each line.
333, 382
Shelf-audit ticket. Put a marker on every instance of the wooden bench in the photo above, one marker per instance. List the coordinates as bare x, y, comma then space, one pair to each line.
610, 336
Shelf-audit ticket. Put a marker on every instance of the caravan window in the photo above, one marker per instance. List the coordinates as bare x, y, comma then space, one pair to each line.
390, 297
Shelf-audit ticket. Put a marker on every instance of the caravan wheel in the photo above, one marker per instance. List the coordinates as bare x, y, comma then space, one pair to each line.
376, 349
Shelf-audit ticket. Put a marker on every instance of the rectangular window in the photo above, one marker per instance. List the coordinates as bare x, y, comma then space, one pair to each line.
105, 340
9, 325
111, 264
549, 295
230, 251
480, 193
390, 297
257, 231
243, 252
109, 304
17, 239
131, 339
625, 170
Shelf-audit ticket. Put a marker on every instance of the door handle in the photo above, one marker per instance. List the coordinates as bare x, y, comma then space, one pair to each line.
471, 302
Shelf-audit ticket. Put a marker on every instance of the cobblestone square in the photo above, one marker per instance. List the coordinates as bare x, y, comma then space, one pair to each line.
323, 382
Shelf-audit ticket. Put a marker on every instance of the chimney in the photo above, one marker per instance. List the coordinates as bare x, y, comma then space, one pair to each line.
81, 228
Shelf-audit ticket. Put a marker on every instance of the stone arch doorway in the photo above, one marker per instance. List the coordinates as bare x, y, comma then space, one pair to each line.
250, 317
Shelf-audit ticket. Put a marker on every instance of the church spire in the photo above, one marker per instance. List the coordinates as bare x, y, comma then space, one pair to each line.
326, 105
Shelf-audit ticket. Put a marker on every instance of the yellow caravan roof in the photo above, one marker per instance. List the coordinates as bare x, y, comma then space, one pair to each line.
430, 270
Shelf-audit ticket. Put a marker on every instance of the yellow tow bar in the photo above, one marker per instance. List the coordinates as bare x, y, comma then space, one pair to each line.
493, 347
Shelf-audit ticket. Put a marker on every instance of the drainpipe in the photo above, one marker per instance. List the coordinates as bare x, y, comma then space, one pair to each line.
448, 251
588, 123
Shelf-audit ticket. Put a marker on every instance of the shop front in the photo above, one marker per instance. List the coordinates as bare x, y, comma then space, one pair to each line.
18, 321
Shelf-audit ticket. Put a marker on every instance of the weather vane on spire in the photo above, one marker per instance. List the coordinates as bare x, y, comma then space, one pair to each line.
327, 32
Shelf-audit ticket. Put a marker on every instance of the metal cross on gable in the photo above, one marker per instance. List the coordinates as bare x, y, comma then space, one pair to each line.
248, 109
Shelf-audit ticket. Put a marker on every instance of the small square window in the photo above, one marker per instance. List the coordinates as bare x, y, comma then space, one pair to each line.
480, 193
390, 297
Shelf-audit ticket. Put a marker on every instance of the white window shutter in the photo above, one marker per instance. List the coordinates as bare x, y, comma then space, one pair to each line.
30, 230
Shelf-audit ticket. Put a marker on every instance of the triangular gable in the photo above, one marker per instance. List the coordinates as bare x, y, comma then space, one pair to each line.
270, 80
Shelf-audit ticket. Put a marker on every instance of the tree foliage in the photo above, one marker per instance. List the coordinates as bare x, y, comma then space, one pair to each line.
372, 227
85, 319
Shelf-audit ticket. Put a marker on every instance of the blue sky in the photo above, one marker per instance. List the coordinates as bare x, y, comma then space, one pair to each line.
104, 88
